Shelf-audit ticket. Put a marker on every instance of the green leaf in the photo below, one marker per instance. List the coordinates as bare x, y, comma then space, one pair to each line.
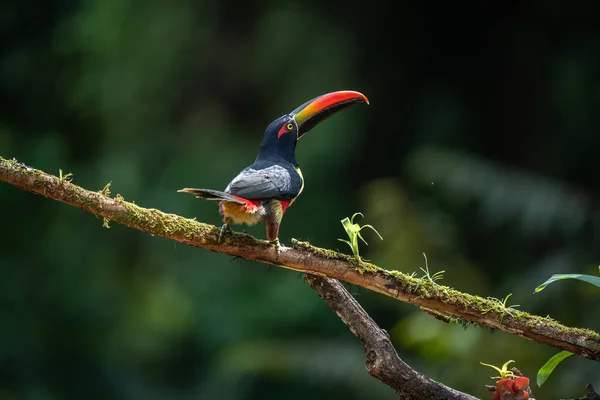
348, 226
346, 241
504, 372
594, 280
355, 214
547, 368
361, 238
491, 366
373, 229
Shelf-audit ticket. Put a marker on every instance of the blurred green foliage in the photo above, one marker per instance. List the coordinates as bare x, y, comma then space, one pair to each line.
479, 149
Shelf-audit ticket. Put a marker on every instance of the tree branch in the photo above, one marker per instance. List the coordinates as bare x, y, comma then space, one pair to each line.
444, 302
382, 359
591, 394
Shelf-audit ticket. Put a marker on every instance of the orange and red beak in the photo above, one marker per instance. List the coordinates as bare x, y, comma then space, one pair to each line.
309, 114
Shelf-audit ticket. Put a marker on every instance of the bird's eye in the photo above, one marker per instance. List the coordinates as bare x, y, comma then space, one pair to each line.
290, 127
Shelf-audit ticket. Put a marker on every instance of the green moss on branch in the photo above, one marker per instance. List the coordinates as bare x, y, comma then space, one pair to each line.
444, 302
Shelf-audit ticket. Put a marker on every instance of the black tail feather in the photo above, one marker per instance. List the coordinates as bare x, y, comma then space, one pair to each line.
209, 194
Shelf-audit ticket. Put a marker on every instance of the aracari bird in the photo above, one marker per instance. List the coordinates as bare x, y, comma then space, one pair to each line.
264, 190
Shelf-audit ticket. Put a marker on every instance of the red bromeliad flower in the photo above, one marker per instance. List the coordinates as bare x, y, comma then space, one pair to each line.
511, 389
508, 386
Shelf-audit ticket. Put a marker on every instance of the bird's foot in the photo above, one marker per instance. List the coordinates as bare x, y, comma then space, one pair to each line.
277, 247
224, 229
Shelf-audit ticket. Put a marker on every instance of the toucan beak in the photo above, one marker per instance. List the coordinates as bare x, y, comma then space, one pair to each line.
309, 114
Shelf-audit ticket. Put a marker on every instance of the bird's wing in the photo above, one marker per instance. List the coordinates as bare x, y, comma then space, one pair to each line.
273, 182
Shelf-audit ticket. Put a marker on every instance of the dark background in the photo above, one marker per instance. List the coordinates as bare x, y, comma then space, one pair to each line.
479, 150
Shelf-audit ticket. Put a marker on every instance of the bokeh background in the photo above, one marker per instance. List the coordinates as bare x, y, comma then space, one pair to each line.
479, 150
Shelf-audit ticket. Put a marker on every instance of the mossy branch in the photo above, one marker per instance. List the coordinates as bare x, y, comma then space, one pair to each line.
454, 305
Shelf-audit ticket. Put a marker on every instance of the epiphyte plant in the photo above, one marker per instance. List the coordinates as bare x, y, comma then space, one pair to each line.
353, 231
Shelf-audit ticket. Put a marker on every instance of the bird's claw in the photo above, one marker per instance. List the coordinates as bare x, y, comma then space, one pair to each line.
277, 247
224, 229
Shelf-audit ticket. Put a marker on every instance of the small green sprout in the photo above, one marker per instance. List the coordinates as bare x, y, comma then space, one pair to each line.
64, 178
353, 231
431, 278
504, 372
504, 308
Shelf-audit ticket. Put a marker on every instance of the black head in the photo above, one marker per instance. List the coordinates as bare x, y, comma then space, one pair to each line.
283, 133
280, 140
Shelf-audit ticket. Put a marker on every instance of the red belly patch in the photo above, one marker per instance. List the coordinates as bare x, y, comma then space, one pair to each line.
251, 205
284, 204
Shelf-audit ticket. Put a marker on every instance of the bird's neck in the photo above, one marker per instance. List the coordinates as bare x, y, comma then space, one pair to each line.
277, 152
277, 158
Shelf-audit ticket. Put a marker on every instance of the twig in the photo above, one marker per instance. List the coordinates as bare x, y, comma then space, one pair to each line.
591, 394
382, 360
308, 259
